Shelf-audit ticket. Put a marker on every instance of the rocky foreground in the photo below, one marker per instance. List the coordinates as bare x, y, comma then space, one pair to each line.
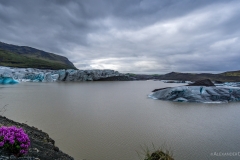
42, 146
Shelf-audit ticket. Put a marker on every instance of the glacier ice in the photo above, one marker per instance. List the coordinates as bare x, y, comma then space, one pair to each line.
10, 75
201, 94
8, 80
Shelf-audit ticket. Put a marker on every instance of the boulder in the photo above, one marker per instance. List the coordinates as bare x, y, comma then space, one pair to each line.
204, 82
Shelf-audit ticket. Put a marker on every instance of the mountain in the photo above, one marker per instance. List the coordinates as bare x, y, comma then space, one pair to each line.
28, 57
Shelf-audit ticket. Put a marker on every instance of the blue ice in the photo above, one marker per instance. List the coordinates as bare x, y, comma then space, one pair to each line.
7, 80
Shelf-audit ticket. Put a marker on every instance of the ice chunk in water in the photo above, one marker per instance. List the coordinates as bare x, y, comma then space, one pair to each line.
8, 80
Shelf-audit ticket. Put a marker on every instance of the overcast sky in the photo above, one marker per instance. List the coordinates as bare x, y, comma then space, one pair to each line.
129, 35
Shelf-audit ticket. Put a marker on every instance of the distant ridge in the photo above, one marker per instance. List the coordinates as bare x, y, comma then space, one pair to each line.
24, 56
230, 76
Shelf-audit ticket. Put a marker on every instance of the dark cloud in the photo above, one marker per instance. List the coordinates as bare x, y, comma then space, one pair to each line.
136, 35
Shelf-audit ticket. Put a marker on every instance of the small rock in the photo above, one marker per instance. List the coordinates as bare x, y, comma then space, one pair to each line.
56, 149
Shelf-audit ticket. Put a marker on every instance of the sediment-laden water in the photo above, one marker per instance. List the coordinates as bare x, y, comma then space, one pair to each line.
112, 120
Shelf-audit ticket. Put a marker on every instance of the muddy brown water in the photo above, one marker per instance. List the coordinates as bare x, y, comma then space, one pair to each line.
115, 120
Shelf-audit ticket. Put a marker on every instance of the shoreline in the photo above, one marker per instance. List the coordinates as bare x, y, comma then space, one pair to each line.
42, 146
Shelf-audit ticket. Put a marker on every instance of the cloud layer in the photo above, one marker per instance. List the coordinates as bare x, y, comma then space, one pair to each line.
129, 36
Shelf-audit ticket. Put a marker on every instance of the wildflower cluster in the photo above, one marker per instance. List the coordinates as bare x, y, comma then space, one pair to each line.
14, 140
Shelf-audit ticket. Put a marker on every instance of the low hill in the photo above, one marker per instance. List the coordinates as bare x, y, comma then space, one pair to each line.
224, 77
231, 76
28, 57
231, 73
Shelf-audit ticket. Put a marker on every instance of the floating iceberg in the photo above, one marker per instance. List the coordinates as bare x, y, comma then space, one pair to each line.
201, 94
8, 80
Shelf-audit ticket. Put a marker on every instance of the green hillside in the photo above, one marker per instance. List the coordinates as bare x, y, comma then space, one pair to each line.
16, 60
22, 56
232, 73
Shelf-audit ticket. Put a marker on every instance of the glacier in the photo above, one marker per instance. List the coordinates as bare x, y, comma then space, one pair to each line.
201, 94
11, 75
8, 80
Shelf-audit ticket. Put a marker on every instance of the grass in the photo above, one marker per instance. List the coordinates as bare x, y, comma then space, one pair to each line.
158, 155
130, 74
234, 73
155, 154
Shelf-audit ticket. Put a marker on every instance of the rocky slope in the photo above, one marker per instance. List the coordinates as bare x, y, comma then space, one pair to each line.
23, 56
42, 146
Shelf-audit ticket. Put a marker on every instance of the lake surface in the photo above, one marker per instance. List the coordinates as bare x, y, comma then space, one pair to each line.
112, 120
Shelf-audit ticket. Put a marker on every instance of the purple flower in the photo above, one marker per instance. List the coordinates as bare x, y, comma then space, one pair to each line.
1, 144
12, 137
22, 151
11, 141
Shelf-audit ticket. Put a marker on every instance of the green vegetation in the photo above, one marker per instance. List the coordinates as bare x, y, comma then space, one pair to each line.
130, 74
157, 154
23, 56
11, 59
232, 73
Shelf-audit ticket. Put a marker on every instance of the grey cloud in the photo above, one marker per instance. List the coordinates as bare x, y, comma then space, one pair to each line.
145, 35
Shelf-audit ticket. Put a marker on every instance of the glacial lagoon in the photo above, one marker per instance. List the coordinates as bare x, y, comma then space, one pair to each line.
114, 120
